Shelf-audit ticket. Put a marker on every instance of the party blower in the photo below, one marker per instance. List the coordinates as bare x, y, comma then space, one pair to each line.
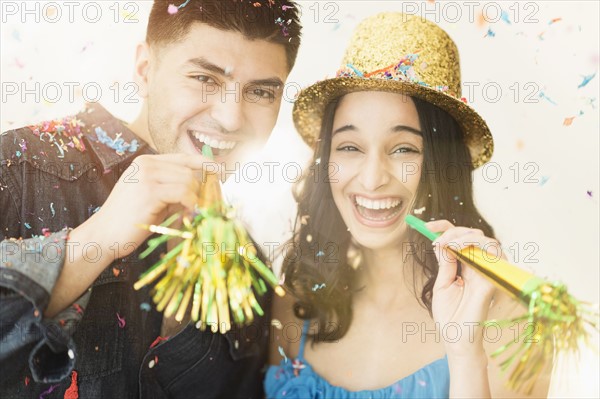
215, 266
554, 319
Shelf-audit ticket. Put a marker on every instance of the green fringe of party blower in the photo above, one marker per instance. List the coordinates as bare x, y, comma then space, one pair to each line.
555, 320
215, 266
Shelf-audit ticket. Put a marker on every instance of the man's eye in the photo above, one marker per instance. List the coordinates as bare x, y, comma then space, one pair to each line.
204, 79
263, 93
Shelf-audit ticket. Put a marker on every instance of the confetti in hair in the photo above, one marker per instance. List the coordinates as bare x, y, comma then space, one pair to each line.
173, 9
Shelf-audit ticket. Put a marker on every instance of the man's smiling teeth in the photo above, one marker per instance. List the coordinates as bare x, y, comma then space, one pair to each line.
214, 143
386, 203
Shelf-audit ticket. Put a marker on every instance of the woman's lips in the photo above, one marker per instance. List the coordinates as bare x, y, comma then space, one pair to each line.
380, 212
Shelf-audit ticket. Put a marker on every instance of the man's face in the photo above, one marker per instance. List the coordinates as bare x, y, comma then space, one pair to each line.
214, 88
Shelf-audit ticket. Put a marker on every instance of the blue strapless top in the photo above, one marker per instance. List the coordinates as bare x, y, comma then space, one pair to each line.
296, 379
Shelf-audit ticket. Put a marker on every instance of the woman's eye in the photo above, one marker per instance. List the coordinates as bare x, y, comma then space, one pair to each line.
404, 150
347, 148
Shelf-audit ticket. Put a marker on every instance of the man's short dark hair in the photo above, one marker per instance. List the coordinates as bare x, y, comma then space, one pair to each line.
276, 21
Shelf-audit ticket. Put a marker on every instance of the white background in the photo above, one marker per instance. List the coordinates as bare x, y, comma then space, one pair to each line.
539, 207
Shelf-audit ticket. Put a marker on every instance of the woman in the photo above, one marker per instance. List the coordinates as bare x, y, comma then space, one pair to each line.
383, 312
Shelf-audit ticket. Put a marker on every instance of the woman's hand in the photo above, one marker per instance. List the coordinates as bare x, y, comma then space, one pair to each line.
460, 303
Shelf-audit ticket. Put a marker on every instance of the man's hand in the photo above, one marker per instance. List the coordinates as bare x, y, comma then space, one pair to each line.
143, 195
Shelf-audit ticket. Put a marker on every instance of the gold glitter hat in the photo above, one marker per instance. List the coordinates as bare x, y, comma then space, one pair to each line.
400, 53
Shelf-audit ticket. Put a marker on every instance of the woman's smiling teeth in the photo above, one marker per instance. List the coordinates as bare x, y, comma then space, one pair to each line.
385, 203
378, 209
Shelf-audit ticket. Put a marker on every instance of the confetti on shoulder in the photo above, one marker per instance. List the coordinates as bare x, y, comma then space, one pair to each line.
117, 144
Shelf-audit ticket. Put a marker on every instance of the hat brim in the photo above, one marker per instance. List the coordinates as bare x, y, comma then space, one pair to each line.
312, 101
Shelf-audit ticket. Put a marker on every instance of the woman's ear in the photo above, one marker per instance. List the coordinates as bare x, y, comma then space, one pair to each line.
142, 68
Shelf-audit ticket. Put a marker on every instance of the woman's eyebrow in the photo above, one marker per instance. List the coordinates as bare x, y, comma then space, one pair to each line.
404, 128
345, 128
395, 129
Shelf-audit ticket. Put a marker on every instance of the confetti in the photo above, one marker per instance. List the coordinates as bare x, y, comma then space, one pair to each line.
27, 225
63, 134
48, 391
543, 180
78, 308
52, 209
121, 321
317, 287
158, 340
117, 144
151, 363
277, 324
145, 306
422, 383
419, 211
173, 9
586, 80
568, 121
116, 271
282, 353
297, 365
27, 381
552, 21
544, 96
504, 16
589, 193
73, 391
490, 33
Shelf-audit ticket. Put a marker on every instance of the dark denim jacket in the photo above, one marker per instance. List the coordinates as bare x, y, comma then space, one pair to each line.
53, 177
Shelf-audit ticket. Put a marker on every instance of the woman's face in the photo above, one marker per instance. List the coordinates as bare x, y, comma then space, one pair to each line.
376, 156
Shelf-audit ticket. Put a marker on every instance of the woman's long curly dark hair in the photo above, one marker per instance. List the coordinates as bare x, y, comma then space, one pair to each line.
318, 272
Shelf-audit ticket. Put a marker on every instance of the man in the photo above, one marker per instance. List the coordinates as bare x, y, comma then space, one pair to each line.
210, 73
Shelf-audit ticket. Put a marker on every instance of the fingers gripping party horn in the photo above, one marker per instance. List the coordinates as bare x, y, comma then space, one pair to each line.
555, 320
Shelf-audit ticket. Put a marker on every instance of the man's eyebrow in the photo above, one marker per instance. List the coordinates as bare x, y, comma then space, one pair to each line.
203, 63
267, 82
